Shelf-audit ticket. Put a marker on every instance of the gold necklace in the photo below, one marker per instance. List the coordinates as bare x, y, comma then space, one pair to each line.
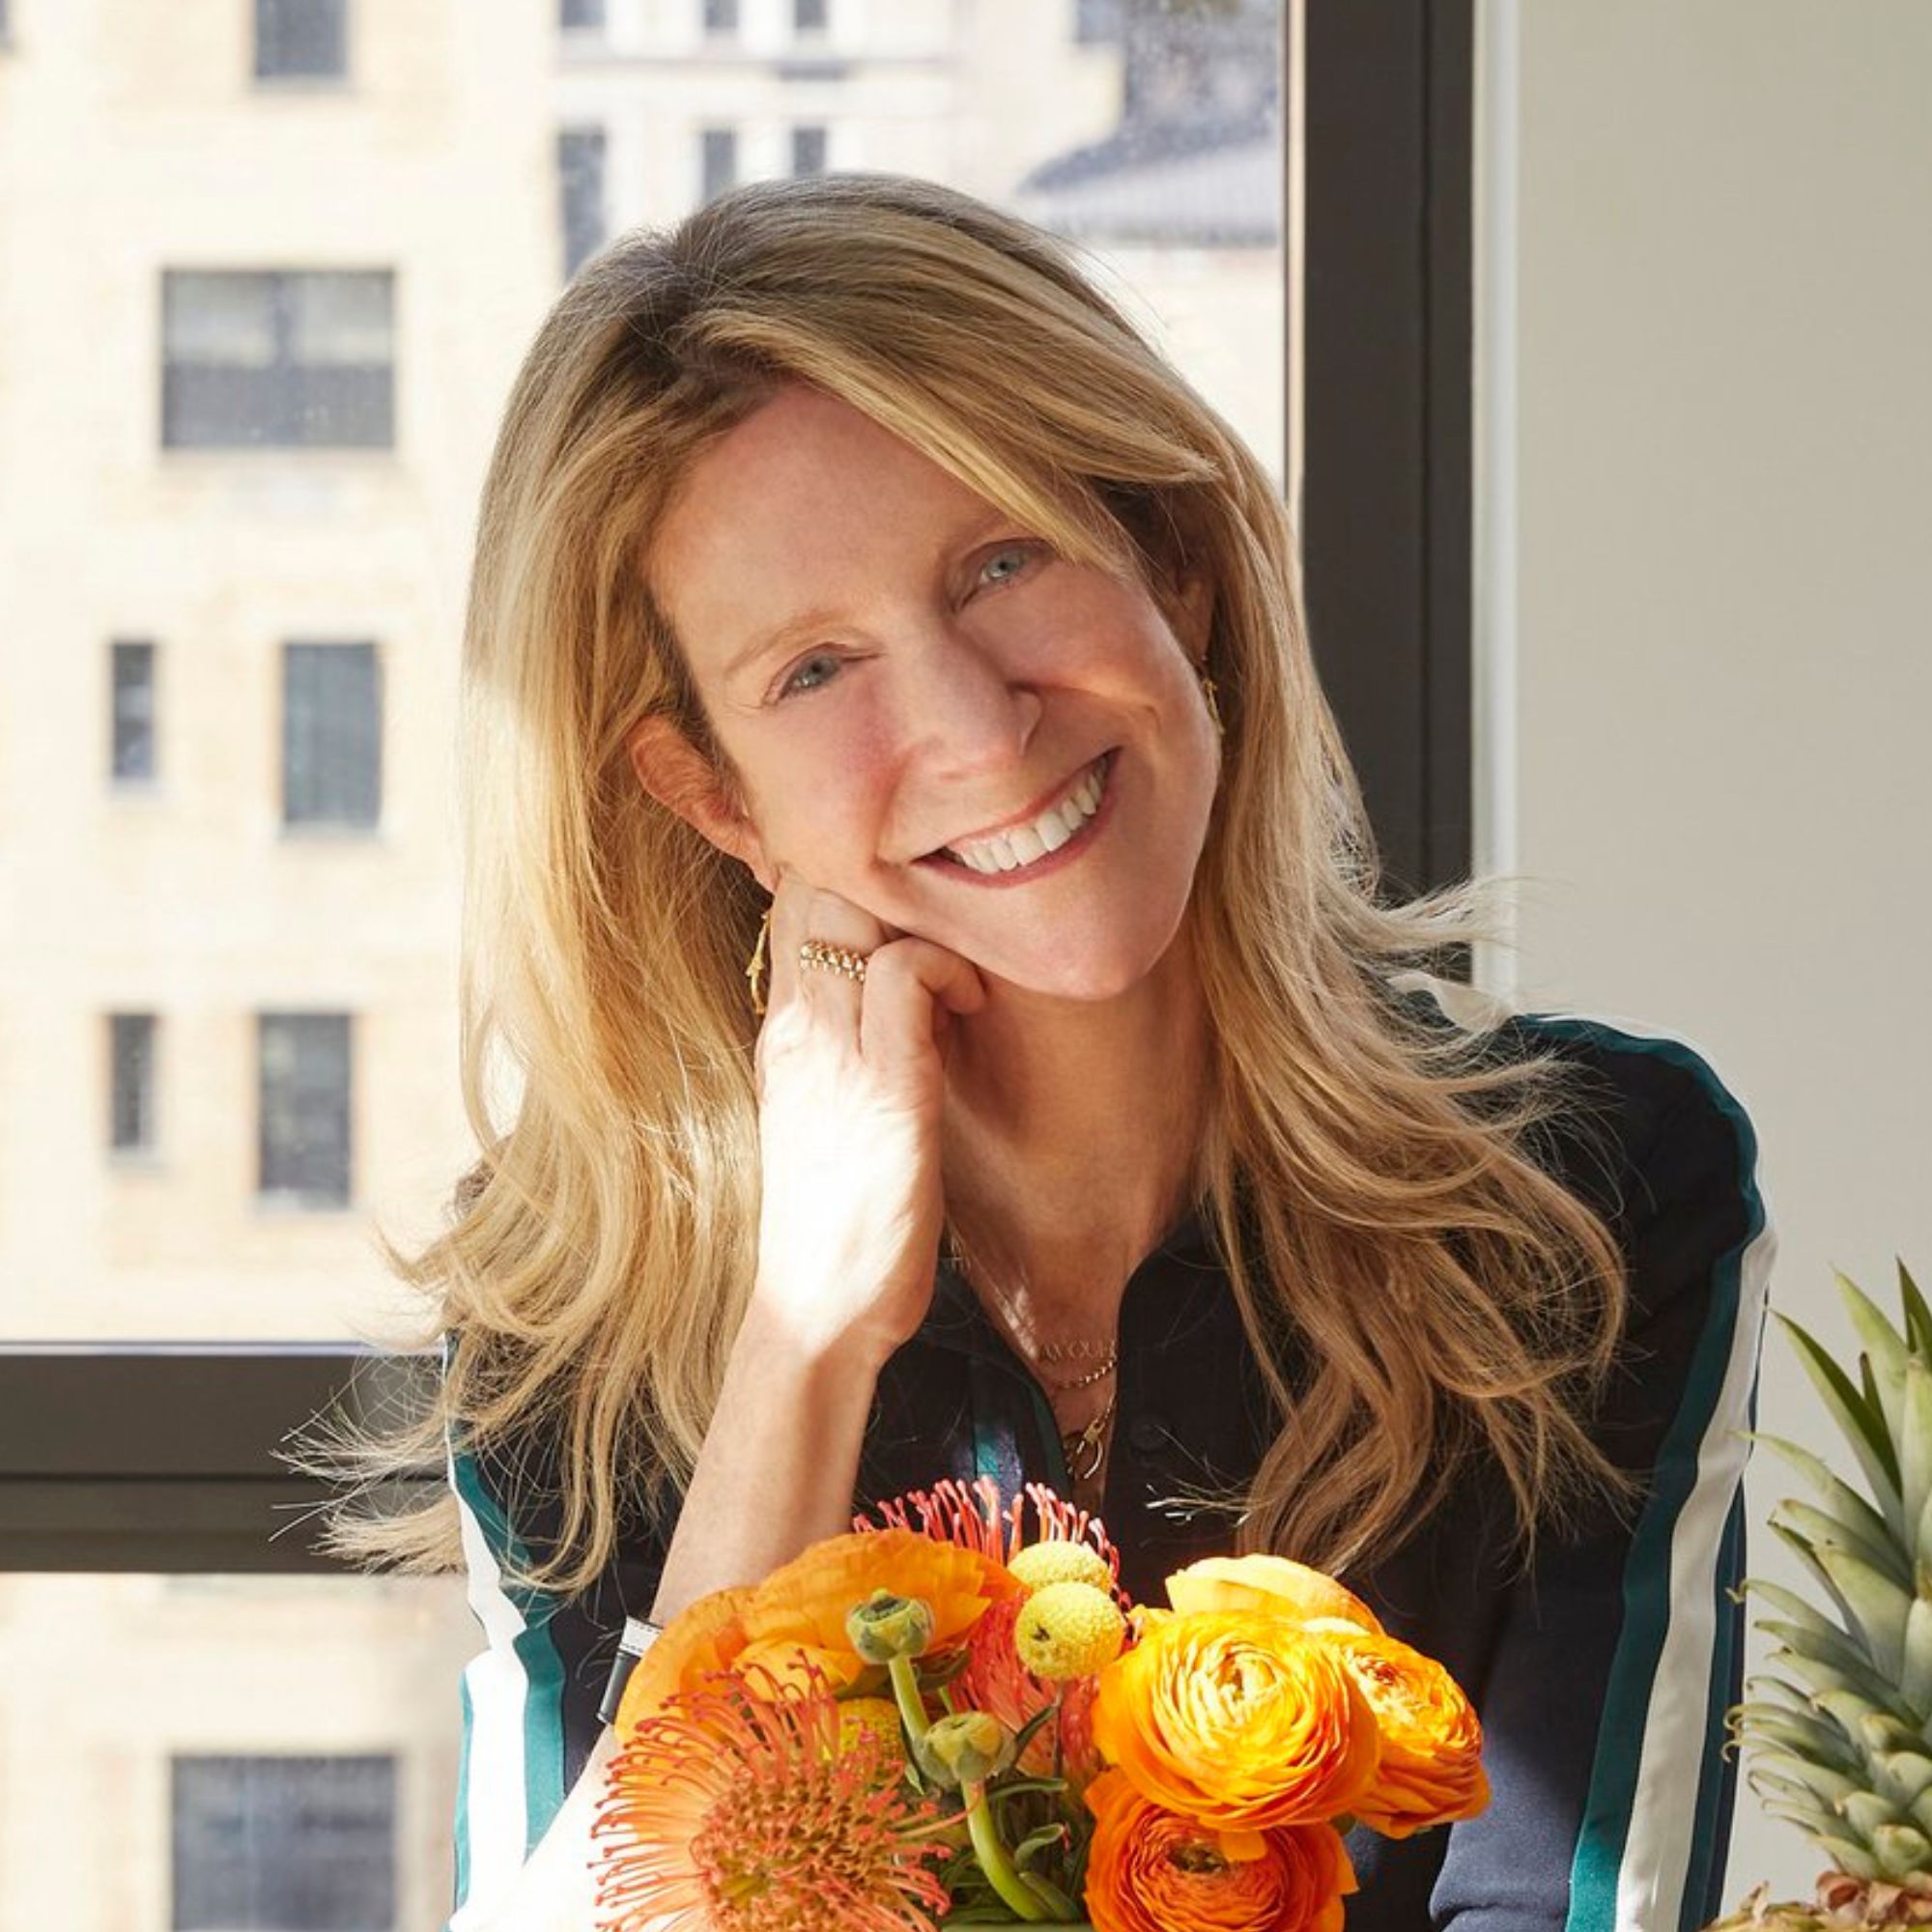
1021, 1332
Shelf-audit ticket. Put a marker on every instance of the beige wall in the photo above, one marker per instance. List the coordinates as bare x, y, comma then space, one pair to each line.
1721, 580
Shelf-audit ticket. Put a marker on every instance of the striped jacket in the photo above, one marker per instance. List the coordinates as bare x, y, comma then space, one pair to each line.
1600, 1674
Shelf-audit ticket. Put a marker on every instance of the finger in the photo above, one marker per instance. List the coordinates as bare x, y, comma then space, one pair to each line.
906, 981
800, 911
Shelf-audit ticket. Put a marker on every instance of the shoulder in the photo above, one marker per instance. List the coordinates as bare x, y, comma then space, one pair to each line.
1649, 1119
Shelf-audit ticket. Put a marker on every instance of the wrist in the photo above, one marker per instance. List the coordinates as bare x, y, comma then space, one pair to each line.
774, 1336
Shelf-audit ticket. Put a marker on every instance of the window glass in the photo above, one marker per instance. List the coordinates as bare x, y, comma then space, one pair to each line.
331, 736
230, 1753
132, 756
300, 39
271, 435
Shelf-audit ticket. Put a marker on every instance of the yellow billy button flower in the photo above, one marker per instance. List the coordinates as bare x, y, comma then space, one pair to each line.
1057, 1561
884, 1627
965, 1749
1069, 1630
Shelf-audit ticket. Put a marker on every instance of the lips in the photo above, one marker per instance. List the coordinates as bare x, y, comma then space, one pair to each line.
1056, 795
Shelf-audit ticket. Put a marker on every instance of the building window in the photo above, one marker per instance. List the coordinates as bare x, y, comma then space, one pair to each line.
302, 39
808, 17
331, 735
305, 1100
131, 751
720, 161
808, 151
581, 14
300, 358
284, 1844
131, 1107
580, 170
721, 16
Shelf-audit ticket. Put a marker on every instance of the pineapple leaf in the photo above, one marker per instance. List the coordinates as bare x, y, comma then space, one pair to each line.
1879, 1606
1904, 1775
1915, 1449
1863, 1684
1885, 1346
1917, 1317
1914, 1681
1821, 1644
1842, 1501
1901, 1850
1810, 1737
1823, 1530
1863, 1428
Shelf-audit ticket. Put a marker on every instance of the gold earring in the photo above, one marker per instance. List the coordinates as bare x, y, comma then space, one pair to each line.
756, 971
1207, 692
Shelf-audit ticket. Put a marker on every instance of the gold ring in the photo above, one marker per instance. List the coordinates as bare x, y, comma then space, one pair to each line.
830, 958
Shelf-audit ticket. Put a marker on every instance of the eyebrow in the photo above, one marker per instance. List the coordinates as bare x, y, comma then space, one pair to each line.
795, 630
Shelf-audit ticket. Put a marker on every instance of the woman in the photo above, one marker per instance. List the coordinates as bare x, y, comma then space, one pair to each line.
858, 596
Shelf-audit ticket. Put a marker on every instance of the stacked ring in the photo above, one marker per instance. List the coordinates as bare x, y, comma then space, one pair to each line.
830, 958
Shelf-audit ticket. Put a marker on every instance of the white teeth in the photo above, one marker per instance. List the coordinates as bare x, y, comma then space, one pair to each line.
1007, 852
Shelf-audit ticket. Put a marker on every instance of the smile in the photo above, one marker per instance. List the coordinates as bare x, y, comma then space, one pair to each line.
1052, 837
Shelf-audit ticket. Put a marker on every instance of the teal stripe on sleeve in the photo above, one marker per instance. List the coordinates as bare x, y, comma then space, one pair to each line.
535, 1651
1601, 1844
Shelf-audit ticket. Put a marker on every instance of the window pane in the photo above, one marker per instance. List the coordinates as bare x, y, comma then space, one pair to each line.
265, 1754
331, 735
223, 321
580, 167
808, 17
305, 1077
581, 14
341, 318
301, 37
808, 151
721, 16
720, 161
284, 1844
131, 752
131, 1077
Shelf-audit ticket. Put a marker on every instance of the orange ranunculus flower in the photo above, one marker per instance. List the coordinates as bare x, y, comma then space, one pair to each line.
1431, 1766
796, 1617
1238, 1720
705, 1637
1261, 1582
1151, 1870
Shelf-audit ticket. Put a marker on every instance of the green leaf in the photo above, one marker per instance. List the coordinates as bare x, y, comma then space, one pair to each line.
1885, 1346
1879, 1607
1914, 1447
1862, 1427
1918, 1316
1823, 1530
1840, 1499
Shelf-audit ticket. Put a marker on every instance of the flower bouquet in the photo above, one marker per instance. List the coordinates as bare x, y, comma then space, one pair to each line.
954, 1716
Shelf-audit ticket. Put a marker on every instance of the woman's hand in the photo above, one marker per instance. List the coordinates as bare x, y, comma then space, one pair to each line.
851, 1086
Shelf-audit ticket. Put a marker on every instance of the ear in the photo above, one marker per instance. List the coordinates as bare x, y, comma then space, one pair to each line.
680, 776
1194, 614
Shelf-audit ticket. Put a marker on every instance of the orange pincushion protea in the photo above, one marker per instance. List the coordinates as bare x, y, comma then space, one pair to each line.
1238, 1720
796, 1617
1432, 1766
1150, 1870
975, 1519
729, 1813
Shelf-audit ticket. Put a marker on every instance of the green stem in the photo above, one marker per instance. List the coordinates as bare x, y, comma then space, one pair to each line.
912, 1705
995, 1860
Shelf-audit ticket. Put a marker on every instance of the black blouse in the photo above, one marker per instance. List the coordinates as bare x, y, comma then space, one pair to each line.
1602, 1673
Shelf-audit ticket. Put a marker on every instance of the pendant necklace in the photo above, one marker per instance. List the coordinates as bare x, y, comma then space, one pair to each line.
1084, 1449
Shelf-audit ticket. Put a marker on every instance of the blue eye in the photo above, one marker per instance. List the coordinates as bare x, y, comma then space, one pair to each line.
791, 685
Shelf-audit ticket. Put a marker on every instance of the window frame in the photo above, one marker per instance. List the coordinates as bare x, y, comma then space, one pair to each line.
126, 1457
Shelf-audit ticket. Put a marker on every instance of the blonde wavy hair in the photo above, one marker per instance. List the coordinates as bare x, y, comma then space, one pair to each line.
1367, 1174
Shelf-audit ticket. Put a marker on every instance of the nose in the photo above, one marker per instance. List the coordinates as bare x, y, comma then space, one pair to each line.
968, 710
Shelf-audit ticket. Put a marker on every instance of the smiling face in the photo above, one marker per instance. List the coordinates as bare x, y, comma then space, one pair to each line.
895, 667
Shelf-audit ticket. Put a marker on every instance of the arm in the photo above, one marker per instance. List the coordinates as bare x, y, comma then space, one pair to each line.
1618, 1653
787, 1434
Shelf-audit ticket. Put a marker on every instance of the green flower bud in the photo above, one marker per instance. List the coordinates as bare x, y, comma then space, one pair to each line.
966, 1748
884, 1627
